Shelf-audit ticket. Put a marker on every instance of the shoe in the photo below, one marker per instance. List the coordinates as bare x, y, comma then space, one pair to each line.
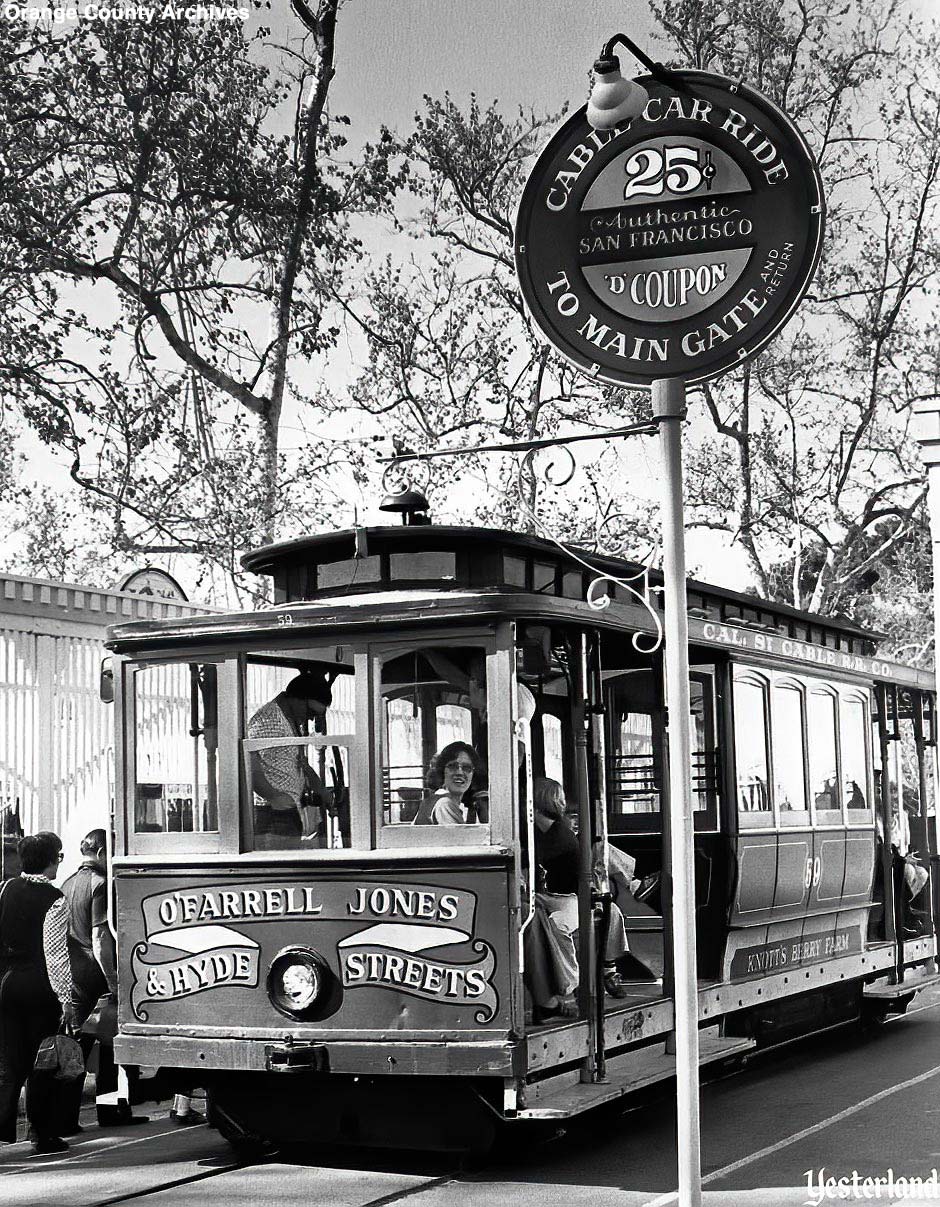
187, 1119
114, 1116
615, 985
632, 969
50, 1144
562, 1010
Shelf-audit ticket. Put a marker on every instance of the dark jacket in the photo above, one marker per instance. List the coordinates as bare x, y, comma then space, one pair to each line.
23, 908
557, 851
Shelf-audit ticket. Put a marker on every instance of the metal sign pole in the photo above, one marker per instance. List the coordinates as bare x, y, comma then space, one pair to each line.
669, 412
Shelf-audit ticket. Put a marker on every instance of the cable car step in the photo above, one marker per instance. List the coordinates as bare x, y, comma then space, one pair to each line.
564, 1096
882, 991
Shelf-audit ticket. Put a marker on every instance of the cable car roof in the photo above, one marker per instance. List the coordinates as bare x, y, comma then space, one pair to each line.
458, 558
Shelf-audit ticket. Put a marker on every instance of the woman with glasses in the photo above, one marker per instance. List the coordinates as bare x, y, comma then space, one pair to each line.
457, 782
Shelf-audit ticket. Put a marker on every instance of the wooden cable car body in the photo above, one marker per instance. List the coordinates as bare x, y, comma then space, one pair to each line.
359, 978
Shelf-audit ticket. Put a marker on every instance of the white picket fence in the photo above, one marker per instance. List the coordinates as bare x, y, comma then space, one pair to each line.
56, 735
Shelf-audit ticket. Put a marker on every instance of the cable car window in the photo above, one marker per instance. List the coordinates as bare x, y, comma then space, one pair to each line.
634, 738
750, 747
635, 787
433, 717
176, 749
552, 748
702, 740
454, 723
823, 770
789, 754
854, 758
300, 719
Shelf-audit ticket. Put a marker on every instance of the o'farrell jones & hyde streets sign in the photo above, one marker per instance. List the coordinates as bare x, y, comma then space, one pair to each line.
677, 244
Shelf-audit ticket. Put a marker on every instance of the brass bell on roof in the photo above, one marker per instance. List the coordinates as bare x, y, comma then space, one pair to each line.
411, 505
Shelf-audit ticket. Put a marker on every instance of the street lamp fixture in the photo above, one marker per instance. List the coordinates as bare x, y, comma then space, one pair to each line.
615, 100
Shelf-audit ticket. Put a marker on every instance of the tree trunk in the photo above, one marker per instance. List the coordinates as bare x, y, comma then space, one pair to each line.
323, 28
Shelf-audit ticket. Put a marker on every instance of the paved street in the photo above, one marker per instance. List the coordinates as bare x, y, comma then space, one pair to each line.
843, 1103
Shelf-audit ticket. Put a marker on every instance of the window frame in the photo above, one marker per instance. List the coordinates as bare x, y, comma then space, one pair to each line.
788, 819
831, 818
498, 648
763, 819
859, 818
225, 840
705, 820
356, 743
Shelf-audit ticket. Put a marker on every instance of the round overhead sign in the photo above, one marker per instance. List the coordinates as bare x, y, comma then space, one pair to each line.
676, 245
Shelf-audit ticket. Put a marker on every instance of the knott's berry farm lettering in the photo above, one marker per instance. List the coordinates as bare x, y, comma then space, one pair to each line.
786, 953
676, 245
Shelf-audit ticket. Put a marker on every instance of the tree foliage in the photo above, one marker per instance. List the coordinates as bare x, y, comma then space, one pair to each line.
819, 471
454, 359
166, 254
802, 458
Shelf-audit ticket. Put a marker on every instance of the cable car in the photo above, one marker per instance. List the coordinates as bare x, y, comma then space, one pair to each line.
330, 895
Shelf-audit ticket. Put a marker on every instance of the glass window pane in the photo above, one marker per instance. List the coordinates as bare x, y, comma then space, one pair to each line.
704, 755
854, 766
750, 746
823, 786
633, 786
434, 716
299, 787
789, 760
552, 747
176, 749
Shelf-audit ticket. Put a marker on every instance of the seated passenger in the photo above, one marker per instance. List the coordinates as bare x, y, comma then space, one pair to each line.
458, 792
557, 853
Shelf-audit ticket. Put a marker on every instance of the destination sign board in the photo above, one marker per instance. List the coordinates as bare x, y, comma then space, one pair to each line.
677, 244
823, 657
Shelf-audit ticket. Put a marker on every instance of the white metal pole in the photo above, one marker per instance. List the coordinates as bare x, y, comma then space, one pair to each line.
925, 427
669, 412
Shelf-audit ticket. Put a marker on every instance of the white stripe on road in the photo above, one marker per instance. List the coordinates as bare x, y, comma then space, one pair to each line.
73, 1155
673, 1195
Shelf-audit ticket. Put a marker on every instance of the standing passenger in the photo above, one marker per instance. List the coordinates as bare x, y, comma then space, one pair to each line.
281, 776
36, 989
93, 959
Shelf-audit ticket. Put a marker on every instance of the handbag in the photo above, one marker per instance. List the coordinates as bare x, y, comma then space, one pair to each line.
102, 1022
60, 1057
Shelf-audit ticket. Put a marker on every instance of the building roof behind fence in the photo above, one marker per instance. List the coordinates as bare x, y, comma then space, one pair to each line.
98, 607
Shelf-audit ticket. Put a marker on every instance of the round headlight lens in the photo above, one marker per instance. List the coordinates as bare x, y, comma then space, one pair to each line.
295, 981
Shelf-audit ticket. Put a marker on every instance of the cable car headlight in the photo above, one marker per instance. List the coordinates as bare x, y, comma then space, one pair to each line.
298, 981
